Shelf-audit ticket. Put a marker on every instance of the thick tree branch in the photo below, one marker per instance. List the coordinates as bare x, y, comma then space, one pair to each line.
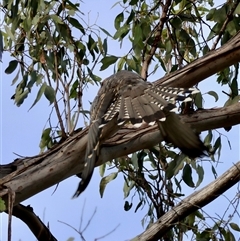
35, 174
192, 203
205, 66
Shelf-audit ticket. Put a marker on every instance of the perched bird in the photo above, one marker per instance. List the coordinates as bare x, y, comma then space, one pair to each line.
125, 97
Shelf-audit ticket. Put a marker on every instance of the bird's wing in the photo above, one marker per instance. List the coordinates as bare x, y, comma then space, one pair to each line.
126, 97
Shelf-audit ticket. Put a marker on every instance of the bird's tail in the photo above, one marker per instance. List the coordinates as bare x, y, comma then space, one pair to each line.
91, 155
181, 135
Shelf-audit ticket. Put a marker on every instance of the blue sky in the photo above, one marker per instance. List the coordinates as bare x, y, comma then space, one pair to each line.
20, 133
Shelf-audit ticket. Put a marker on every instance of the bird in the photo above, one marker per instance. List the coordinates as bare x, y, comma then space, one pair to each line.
125, 97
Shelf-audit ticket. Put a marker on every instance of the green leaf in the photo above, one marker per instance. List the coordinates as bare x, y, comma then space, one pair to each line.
46, 139
214, 94
214, 31
102, 169
9, 32
168, 46
134, 160
76, 24
39, 95
208, 138
211, 14
2, 205
120, 63
21, 96
11, 66
122, 31
217, 144
176, 22
119, 18
130, 17
234, 86
56, 19
106, 32
138, 206
15, 78
70, 239
105, 46
198, 100
187, 175
214, 172
93, 76
200, 172
234, 226
85, 61
127, 187
127, 206
107, 61
49, 93
175, 166
105, 180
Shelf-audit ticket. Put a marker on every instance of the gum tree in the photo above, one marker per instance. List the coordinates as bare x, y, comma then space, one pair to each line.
55, 52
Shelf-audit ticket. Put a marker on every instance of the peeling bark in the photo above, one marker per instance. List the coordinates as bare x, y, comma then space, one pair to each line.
35, 174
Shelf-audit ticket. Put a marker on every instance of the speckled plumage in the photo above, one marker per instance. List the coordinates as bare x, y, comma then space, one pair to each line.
126, 97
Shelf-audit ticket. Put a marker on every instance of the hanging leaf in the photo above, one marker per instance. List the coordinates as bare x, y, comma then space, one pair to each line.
106, 32
11, 66
214, 94
119, 18
46, 139
234, 226
127, 206
200, 172
105, 180
39, 95
77, 24
187, 175
15, 78
102, 169
138, 206
208, 138
107, 61
49, 93
122, 31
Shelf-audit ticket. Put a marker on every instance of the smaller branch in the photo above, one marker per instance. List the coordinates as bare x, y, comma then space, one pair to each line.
81, 80
227, 20
159, 29
11, 199
38, 228
67, 108
55, 103
192, 203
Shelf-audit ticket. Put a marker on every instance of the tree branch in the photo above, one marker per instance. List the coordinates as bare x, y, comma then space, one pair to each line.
38, 228
35, 174
192, 203
205, 66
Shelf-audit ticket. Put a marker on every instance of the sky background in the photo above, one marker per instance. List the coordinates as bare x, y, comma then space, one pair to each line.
21, 131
